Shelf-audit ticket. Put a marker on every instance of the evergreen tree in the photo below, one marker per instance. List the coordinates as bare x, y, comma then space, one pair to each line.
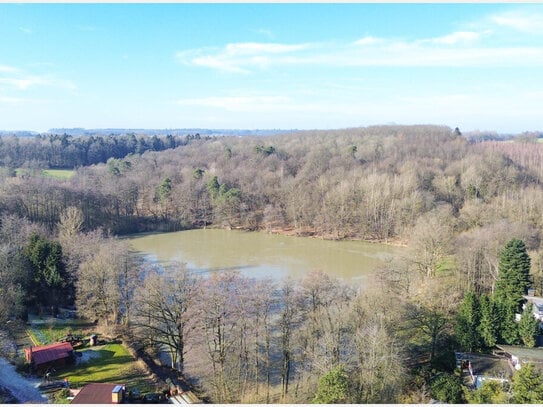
527, 385
334, 387
467, 323
447, 388
513, 274
490, 392
513, 281
48, 271
489, 323
508, 326
163, 190
528, 326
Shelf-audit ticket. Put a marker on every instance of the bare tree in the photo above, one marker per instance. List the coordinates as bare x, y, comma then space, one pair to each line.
164, 308
106, 280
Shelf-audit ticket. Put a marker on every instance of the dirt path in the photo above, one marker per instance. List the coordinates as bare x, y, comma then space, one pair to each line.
23, 389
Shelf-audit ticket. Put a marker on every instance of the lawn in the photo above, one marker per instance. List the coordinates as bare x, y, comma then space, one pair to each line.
110, 363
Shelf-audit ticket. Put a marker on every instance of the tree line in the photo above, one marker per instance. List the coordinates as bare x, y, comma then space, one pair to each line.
370, 183
67, 151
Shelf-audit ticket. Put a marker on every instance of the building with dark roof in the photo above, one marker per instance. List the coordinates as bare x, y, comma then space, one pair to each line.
100, 393
56, 354
520, 355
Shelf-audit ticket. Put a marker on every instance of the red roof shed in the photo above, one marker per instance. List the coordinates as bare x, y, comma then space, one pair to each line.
40, 355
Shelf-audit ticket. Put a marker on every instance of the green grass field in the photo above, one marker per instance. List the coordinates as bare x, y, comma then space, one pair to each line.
110, 363
59, 174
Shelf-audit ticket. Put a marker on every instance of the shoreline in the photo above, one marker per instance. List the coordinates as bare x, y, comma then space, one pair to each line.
306, 233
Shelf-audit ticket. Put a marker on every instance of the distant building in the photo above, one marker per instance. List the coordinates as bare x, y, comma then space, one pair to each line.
100, 393
45, 356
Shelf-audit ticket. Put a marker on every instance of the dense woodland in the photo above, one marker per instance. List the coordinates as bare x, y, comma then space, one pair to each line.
466, 211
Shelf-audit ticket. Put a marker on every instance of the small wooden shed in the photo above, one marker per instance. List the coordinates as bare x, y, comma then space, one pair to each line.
45, 356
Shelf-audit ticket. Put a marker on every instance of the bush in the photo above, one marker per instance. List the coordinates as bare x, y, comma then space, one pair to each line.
61, 397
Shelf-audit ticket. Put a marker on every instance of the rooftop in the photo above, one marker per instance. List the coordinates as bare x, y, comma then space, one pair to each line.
534, 355
48, 353
96, 393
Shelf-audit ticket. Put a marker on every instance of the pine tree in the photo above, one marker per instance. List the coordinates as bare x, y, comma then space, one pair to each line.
527, 385
508, 326
527, 326
489, 323
467, 323
513, 281
513, 274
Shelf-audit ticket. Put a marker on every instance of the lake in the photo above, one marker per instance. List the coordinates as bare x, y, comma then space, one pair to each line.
260, 255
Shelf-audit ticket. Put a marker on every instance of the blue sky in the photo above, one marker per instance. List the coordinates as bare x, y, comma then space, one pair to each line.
305, 66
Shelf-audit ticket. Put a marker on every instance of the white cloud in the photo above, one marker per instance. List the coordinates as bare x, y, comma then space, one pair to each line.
18, 79
26, 30
457, 37
369, 40
251, 48
239, 57
531, 23
458, 49
23, 83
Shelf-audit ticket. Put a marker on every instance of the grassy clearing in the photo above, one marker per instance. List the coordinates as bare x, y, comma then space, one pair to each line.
110, 363
59, 174
44, 334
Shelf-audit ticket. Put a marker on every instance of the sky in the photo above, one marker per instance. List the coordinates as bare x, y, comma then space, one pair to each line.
271, 66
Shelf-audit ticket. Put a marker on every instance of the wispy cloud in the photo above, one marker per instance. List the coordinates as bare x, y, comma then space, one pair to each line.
368, 40
531, 23
458, 49
23, 83
239, 57
26, 30
16, 78
457, 37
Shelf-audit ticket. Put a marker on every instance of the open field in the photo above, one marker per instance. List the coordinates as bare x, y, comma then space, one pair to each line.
51, 173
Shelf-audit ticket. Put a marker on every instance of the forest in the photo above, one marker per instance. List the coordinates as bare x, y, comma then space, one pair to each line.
468, 211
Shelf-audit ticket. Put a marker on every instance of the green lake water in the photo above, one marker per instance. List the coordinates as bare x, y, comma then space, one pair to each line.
261, 255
